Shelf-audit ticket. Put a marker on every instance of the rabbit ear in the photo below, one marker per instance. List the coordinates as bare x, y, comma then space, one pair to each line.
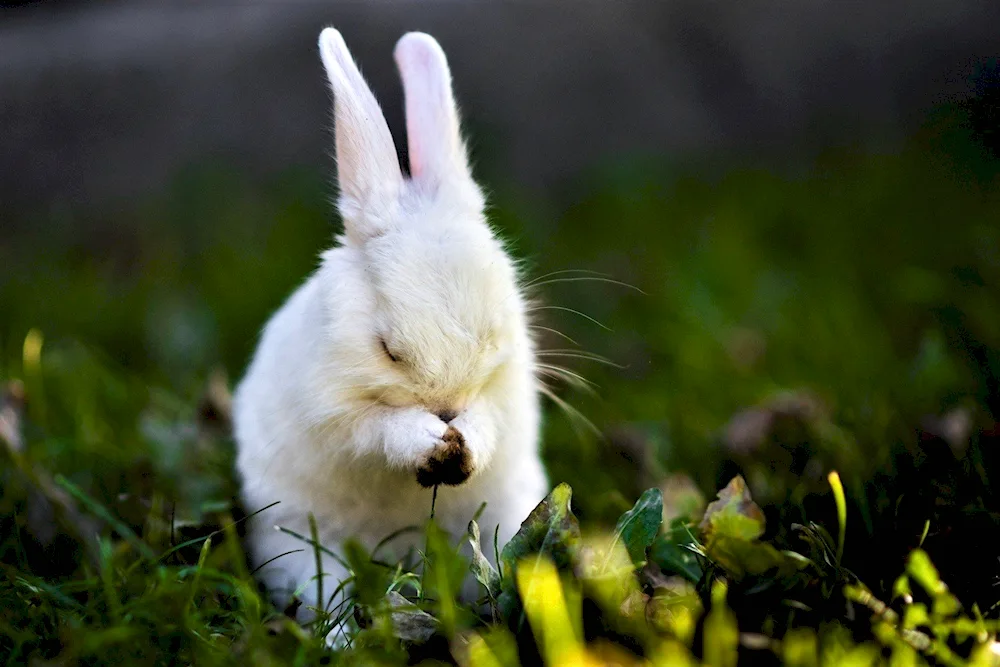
432, 127
367, 165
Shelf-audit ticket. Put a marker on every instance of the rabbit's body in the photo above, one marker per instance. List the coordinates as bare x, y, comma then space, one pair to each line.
404, 362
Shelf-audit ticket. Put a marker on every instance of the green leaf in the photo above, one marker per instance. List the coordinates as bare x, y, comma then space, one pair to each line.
731, 528
800, 648
444, 570
734, 514
915, 615
672, 553
481, 567
734, 526
721, 638
741, 557
901, 589
920, 568
551, 529
637, 528
370, 579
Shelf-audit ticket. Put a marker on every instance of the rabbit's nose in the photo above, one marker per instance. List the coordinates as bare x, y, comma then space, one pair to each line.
447, 415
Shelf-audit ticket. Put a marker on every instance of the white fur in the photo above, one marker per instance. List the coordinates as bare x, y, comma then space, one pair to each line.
325, 421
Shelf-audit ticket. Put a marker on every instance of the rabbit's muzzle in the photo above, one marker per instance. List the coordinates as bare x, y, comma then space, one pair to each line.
448, 463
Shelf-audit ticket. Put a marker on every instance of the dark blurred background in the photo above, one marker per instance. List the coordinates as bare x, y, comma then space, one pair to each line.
805, 193
106, 101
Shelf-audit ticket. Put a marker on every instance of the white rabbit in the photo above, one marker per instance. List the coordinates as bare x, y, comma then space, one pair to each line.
404, 361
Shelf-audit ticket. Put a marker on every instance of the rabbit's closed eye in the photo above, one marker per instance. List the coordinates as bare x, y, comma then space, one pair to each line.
385, 348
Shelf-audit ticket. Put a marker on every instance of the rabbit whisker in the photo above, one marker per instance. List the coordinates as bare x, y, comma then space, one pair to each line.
575, 312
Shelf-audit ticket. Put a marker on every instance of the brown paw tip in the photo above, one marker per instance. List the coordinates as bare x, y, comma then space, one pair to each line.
449, 463
453, 437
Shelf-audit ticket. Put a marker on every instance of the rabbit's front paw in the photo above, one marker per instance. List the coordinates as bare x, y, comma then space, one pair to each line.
448, 463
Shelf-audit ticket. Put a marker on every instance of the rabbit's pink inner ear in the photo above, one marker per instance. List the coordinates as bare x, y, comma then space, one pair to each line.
366, 154
433, 134
420, 114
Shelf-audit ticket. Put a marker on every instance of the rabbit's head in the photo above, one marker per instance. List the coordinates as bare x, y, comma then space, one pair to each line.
435, 301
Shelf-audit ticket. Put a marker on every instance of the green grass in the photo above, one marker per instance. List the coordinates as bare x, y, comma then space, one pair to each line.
779, 328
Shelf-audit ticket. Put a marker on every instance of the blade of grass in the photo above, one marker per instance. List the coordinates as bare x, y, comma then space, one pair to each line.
235, 548
393, 535
214, 533
110, 594
102, 512
318, 555
42, 586
271, 560
313, 543
841, 501
202, 557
